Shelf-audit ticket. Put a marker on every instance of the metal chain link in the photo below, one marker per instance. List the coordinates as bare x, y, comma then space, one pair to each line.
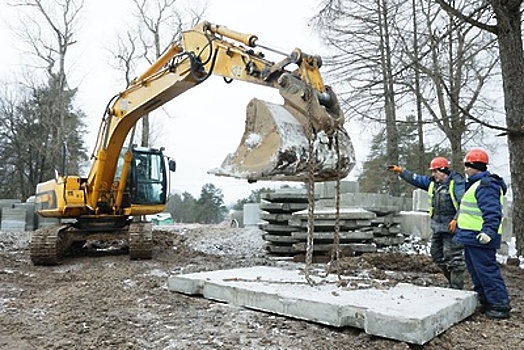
335, 249
310, 191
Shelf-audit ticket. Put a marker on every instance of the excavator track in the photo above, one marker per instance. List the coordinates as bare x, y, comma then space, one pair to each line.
140, 241
47, 246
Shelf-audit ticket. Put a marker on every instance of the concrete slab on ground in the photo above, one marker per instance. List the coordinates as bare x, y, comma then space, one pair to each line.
405, 312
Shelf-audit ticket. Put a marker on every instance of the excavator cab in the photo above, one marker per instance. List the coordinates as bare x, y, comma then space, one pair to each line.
147, 180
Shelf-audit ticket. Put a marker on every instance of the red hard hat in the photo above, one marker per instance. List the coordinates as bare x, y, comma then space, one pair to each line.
438, 163
477, 155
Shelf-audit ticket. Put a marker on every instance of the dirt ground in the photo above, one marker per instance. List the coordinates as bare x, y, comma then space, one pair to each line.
102, 300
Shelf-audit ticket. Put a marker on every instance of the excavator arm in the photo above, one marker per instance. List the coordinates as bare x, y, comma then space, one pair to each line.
279, 140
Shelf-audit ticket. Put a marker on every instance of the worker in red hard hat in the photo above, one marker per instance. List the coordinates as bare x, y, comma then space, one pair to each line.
445, 189
439, 163
479, 229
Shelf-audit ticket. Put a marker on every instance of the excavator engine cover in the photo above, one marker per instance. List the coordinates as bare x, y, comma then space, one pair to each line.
275, 146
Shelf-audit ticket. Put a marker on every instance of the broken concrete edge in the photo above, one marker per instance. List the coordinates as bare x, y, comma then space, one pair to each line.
420, 330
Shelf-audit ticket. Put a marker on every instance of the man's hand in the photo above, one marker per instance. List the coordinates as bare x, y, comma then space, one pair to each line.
483, 238
452, 226
395, 168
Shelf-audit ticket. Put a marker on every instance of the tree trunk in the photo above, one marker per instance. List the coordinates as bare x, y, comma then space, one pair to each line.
512, 66
421, 165
389, 94
145, 131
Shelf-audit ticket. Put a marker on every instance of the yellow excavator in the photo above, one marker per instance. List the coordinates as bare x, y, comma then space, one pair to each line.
302, 140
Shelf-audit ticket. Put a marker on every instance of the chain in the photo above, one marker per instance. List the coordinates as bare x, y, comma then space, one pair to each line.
335, 250
310, 191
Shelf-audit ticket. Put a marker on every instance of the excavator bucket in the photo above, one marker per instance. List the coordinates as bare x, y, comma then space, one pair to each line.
275, 146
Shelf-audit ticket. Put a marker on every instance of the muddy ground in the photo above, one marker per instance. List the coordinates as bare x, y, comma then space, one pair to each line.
102, 300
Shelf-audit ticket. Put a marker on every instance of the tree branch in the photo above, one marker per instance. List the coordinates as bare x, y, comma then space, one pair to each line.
506, 131
456, 13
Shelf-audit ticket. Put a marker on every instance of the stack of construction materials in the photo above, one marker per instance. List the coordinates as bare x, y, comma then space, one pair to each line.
386, 226
276, 210
361, 230
355, 231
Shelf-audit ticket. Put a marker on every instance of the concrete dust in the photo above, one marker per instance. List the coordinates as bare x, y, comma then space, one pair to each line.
102, 300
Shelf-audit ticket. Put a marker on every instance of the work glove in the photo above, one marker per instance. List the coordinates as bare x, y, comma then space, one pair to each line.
395, 169
452, 226
483, 238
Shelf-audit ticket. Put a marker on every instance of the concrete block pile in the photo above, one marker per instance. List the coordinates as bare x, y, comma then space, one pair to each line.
12, 219
375, 223
276, 210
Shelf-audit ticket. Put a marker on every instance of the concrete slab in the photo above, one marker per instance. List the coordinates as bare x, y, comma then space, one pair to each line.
330, 235
328, 189
368, 200
345, 213
13, 219
420, 200
282, 207
405, 312
251, 214
322, 223
416, 223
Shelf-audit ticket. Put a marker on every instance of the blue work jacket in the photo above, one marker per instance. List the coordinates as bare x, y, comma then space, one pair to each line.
444, 209
488, 195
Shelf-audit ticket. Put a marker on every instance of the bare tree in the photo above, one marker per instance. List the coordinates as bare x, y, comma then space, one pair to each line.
10, 186
159, 23
126, 55
456, 64
364, 63
506, 25
420, 165
386, 61
433, 63
49, 30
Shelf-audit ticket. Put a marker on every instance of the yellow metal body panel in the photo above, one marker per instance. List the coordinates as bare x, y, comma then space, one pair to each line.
62, 198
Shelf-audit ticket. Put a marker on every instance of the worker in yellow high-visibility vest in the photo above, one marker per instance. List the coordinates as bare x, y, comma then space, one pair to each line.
479, 228
445, 188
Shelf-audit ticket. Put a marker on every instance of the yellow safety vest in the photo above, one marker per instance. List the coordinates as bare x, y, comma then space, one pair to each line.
431, 193
470, 216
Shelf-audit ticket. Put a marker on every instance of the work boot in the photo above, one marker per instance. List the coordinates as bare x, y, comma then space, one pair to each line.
483, 304
498, 312
456, 279
446, 273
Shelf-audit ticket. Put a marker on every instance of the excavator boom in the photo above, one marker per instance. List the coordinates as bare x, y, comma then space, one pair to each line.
281, 142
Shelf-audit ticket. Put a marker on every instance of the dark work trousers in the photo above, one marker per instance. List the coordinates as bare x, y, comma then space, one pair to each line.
449, 257
486, 276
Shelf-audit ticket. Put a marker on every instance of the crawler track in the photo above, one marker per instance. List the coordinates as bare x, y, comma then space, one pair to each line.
47, 245
140, 241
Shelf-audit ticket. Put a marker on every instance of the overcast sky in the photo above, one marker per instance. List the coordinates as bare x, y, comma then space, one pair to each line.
200, 127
